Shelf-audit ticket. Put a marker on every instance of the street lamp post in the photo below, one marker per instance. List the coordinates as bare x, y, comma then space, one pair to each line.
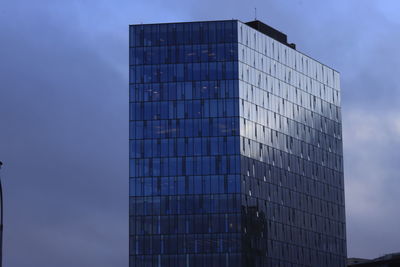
1, 221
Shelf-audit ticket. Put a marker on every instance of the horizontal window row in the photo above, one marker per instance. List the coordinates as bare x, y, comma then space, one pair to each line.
183, 54
183, 33
188, 147
153, 129
266, 82
301, 143
257, 211
263, 46
184, 204
267, 65
184, 224
296, 258
184, 166
305, 181
297, 217
184, 185
281, 253
185, 244
298, 163
256, 228
184, 109
319, 198
222, 243
328, 137
183, 72
257, 110
264, 101
189, 260
183, 90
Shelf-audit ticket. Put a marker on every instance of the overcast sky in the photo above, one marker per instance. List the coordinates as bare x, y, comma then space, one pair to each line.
64, 116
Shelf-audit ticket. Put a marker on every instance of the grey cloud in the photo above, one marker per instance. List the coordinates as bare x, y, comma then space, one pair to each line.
64, 142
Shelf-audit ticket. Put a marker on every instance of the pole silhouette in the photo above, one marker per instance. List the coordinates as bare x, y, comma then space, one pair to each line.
1, 221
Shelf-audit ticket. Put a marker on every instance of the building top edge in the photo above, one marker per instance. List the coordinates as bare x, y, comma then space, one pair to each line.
256, 25
184, 22
270, 31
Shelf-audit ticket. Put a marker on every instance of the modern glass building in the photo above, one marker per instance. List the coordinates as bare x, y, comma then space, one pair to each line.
235, 149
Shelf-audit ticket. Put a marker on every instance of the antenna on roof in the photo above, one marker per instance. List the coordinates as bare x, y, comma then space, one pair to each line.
255, 13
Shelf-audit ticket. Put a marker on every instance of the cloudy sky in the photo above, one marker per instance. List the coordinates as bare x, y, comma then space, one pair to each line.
64, 116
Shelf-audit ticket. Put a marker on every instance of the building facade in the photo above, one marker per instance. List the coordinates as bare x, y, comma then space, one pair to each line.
235, 149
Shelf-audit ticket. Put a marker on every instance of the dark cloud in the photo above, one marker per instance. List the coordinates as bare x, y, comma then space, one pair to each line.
63, 140
64, 117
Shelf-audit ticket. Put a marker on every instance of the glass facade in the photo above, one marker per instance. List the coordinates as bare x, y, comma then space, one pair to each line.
235, 150
291, 156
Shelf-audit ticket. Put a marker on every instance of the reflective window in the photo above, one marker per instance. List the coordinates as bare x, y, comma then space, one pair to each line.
235, 150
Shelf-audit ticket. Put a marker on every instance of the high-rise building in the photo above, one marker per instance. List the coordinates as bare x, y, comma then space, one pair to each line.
235, 149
